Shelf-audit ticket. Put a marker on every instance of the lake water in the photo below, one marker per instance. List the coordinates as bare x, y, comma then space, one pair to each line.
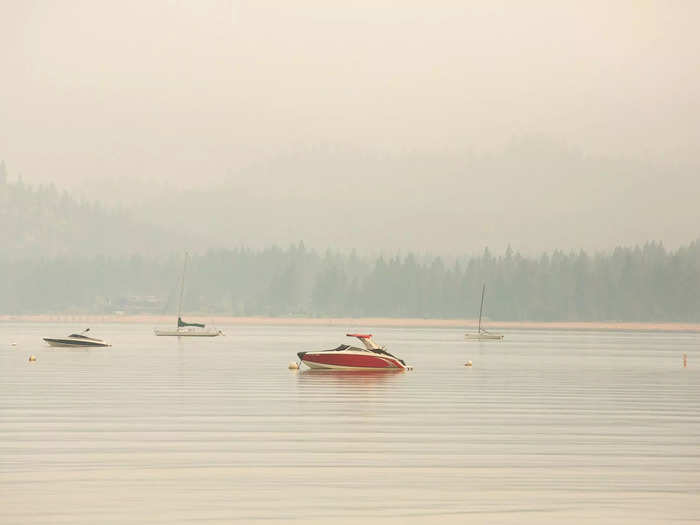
546, 427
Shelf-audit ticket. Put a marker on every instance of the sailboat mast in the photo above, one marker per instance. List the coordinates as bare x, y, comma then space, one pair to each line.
481, 308
182, 287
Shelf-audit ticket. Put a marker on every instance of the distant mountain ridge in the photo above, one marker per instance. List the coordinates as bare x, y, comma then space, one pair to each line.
533, 195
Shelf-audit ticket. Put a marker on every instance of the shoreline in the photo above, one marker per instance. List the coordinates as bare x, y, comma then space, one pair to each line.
387, 322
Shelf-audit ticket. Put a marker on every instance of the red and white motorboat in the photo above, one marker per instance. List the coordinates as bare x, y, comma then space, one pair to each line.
346, 357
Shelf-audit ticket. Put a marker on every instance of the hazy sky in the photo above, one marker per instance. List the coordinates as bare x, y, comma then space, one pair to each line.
189, 92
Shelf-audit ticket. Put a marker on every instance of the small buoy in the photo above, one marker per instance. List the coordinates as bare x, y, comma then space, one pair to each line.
293, 366
468, 363
32, 358
685, 360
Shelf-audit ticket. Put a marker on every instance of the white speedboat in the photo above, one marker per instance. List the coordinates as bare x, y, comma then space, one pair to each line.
76, 340
482, 334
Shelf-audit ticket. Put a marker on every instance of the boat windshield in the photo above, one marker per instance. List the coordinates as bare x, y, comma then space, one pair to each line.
79, 336
384, 352
341, 348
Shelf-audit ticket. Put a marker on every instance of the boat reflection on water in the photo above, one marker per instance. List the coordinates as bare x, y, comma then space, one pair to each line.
359, 377
353, 393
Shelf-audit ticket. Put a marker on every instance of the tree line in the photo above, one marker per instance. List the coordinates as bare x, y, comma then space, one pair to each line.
642, 283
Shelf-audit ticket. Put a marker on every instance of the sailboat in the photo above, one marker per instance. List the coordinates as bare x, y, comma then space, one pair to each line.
187, 329
482, 334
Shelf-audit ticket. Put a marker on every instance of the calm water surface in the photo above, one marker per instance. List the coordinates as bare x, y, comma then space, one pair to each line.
588, 427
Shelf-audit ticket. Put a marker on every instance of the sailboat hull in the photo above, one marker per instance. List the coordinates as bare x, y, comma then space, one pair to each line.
483, 337
188, 333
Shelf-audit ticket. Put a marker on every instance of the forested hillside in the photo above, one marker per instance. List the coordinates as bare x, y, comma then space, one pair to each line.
645, 283
43, 222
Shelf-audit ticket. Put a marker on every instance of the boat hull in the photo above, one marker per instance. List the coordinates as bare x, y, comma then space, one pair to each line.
333, 360
188, 333
74, 343
483, 337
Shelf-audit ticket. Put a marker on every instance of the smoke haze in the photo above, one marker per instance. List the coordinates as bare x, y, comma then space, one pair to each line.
445, 126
